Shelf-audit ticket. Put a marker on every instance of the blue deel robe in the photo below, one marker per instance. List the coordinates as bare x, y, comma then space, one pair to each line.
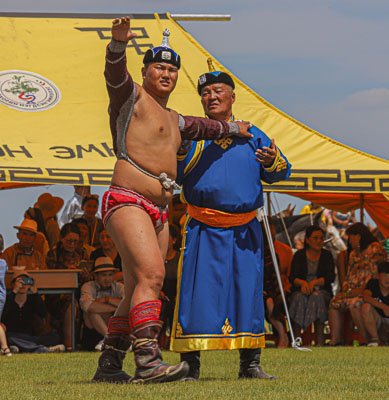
220, 275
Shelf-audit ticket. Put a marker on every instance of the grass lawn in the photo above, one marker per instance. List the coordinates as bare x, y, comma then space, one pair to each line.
326, 373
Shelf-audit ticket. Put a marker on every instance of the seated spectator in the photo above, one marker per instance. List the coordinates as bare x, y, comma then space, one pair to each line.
274, 308
73, 208
23, 253
90, 206
362, 266
375, 309
65, 255
108, 249
285, 256
4, 350
83, 246
313, 271
50, 206
24, 311
1, 244
41, 243
298, 241
100, 297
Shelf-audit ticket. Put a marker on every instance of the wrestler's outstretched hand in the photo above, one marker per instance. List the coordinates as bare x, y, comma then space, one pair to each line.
267, 155
244, 127
121, 30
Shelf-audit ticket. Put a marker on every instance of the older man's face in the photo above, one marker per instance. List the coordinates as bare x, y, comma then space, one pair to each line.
26, 238
217, 100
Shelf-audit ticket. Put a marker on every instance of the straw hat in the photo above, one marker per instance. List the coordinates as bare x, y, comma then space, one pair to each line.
103, 264
28, 225
48, 204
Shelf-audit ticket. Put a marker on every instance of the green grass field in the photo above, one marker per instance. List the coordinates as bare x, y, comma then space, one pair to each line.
326, 373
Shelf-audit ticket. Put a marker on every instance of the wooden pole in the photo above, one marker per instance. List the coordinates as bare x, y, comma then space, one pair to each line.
361, 209
201, 17
268, 204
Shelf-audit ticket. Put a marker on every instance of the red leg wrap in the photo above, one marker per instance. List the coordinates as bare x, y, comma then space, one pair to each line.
118, 325
145, 312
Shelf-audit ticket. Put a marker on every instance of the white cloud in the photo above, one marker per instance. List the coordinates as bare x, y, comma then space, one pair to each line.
372, 99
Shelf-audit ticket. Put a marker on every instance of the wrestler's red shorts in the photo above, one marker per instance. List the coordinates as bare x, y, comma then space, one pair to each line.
116, 197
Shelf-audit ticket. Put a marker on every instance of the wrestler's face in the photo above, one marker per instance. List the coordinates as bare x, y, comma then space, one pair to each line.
159, 79
217, 100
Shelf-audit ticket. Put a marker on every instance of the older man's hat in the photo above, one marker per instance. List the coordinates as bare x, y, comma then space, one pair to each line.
103, 264
163, 53
212, 77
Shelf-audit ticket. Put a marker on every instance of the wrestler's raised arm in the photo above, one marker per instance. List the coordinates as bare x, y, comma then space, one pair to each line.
197, 128
119, 83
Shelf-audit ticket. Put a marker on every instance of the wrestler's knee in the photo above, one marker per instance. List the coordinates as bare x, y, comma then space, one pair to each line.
153, 280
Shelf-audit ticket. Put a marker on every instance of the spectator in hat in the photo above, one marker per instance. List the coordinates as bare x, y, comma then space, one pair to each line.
41, 243
50, 206
100, 297
23, 253
23, 315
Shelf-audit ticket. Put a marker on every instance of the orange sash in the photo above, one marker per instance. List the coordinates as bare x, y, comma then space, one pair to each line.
220, 219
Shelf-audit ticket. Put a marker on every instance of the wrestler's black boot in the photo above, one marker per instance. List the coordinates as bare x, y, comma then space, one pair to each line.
193, 359
110, 367
250, 365
148, 358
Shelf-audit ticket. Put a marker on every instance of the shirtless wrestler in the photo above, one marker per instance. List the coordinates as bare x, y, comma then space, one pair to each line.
147, 136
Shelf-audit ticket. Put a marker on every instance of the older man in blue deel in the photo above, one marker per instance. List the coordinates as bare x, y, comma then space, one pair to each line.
220, 301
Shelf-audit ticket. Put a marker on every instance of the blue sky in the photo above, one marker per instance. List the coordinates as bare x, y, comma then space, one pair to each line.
324, 62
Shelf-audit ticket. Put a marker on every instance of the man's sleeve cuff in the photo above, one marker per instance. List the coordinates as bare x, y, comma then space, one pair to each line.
275, 163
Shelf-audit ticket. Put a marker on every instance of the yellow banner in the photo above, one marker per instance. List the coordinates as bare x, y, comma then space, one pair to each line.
53, 107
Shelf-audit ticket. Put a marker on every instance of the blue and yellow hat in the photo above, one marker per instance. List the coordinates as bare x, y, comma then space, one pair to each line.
213, 77
163, 53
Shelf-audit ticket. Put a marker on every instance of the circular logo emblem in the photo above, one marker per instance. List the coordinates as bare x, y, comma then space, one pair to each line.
27, 91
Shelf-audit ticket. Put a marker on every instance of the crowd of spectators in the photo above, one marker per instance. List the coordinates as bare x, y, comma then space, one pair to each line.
336, 272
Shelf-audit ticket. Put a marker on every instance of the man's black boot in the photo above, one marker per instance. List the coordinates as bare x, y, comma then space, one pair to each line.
250, 365
193, 359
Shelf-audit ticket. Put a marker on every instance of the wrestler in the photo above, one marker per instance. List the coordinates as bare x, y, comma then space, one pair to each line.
220, 274
147, 136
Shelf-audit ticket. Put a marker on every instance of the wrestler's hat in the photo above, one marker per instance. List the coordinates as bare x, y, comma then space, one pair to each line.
163, 53
213, 77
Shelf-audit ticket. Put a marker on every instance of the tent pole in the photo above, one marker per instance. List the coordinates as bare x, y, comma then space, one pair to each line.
268, 203
201, 17
361, 205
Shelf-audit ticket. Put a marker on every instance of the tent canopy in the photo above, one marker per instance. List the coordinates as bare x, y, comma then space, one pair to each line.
53, 102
